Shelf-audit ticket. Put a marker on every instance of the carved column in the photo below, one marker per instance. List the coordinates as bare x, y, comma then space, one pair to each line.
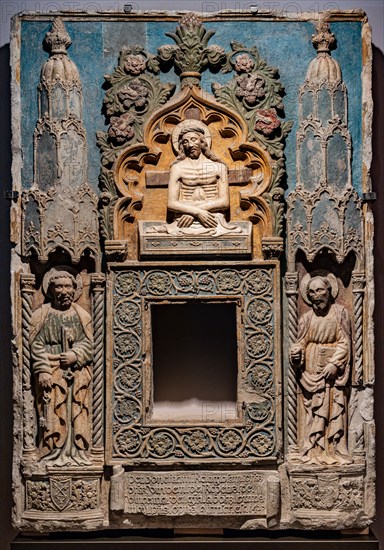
98, 283
358, 284
291, 282
27, 284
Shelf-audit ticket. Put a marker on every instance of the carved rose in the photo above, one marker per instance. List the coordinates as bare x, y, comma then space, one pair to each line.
258, 344
158, 283
38, 496
134, 93
262, 443
127, 344
259, 311
127, 441
228, 280
266, 121
258, 281
135, 64
128, 377
127, 283
161, 443
250, 87
128, 313
84, 495
197, 441
121, 129
231, 440
244, 63
126, 410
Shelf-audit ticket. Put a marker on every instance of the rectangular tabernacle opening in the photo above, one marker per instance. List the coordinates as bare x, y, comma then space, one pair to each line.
194, 361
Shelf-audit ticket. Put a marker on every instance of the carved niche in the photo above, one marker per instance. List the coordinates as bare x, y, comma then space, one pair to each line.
162, 377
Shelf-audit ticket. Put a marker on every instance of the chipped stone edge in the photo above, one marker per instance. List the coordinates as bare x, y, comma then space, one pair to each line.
16, 268
369, 345
253, 14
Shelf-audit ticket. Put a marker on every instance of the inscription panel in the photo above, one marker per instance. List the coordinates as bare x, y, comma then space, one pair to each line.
196, 493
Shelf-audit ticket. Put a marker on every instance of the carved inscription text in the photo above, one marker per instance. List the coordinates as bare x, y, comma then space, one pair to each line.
195, 493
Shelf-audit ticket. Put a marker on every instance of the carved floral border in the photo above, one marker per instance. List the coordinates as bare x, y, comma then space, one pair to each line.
252, 437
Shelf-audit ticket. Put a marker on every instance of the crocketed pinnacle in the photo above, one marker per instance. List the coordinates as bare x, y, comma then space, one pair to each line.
323, 40
59, 68
324, 68
57, 39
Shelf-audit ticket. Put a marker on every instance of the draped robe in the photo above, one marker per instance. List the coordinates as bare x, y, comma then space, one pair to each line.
324, 340
64, 409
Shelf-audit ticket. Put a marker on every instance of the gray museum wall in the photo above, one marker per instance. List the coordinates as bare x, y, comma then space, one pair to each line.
375, 11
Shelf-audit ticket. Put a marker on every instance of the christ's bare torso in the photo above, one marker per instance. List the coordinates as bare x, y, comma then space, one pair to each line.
198, 180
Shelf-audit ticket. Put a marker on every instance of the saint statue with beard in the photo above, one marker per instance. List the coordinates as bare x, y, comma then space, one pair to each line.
322, 356
61, 351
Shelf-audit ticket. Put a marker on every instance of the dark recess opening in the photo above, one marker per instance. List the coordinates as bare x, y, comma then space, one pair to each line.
194, 352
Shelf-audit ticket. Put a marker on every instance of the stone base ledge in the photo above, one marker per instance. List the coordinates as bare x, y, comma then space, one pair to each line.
152, 244
165, 540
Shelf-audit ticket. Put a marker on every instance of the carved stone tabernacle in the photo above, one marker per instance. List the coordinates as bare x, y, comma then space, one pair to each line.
164, 376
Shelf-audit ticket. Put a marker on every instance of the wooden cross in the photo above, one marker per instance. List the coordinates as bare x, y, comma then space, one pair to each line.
160, 178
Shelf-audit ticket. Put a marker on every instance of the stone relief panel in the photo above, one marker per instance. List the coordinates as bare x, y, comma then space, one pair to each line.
213, 493
60, 209
58, 494
255, 433
61, 347
322, 355
143, 142
223, 167
324, 492
325, 212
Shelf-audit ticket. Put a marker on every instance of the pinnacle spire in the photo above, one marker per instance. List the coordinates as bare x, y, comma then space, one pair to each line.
57, 39
323, 41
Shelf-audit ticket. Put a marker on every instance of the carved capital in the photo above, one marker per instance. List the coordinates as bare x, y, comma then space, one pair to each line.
358, 281
291, 283
116, 251
97, 282
272, 247
27, 283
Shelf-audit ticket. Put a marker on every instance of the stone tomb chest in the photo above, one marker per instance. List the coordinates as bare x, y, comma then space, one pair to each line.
192, 271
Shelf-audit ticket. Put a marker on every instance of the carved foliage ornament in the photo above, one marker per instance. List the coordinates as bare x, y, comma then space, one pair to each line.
132, 438
63, 494
254, 95
327, 492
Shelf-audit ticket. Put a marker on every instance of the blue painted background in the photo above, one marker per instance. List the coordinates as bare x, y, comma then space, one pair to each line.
95, 49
